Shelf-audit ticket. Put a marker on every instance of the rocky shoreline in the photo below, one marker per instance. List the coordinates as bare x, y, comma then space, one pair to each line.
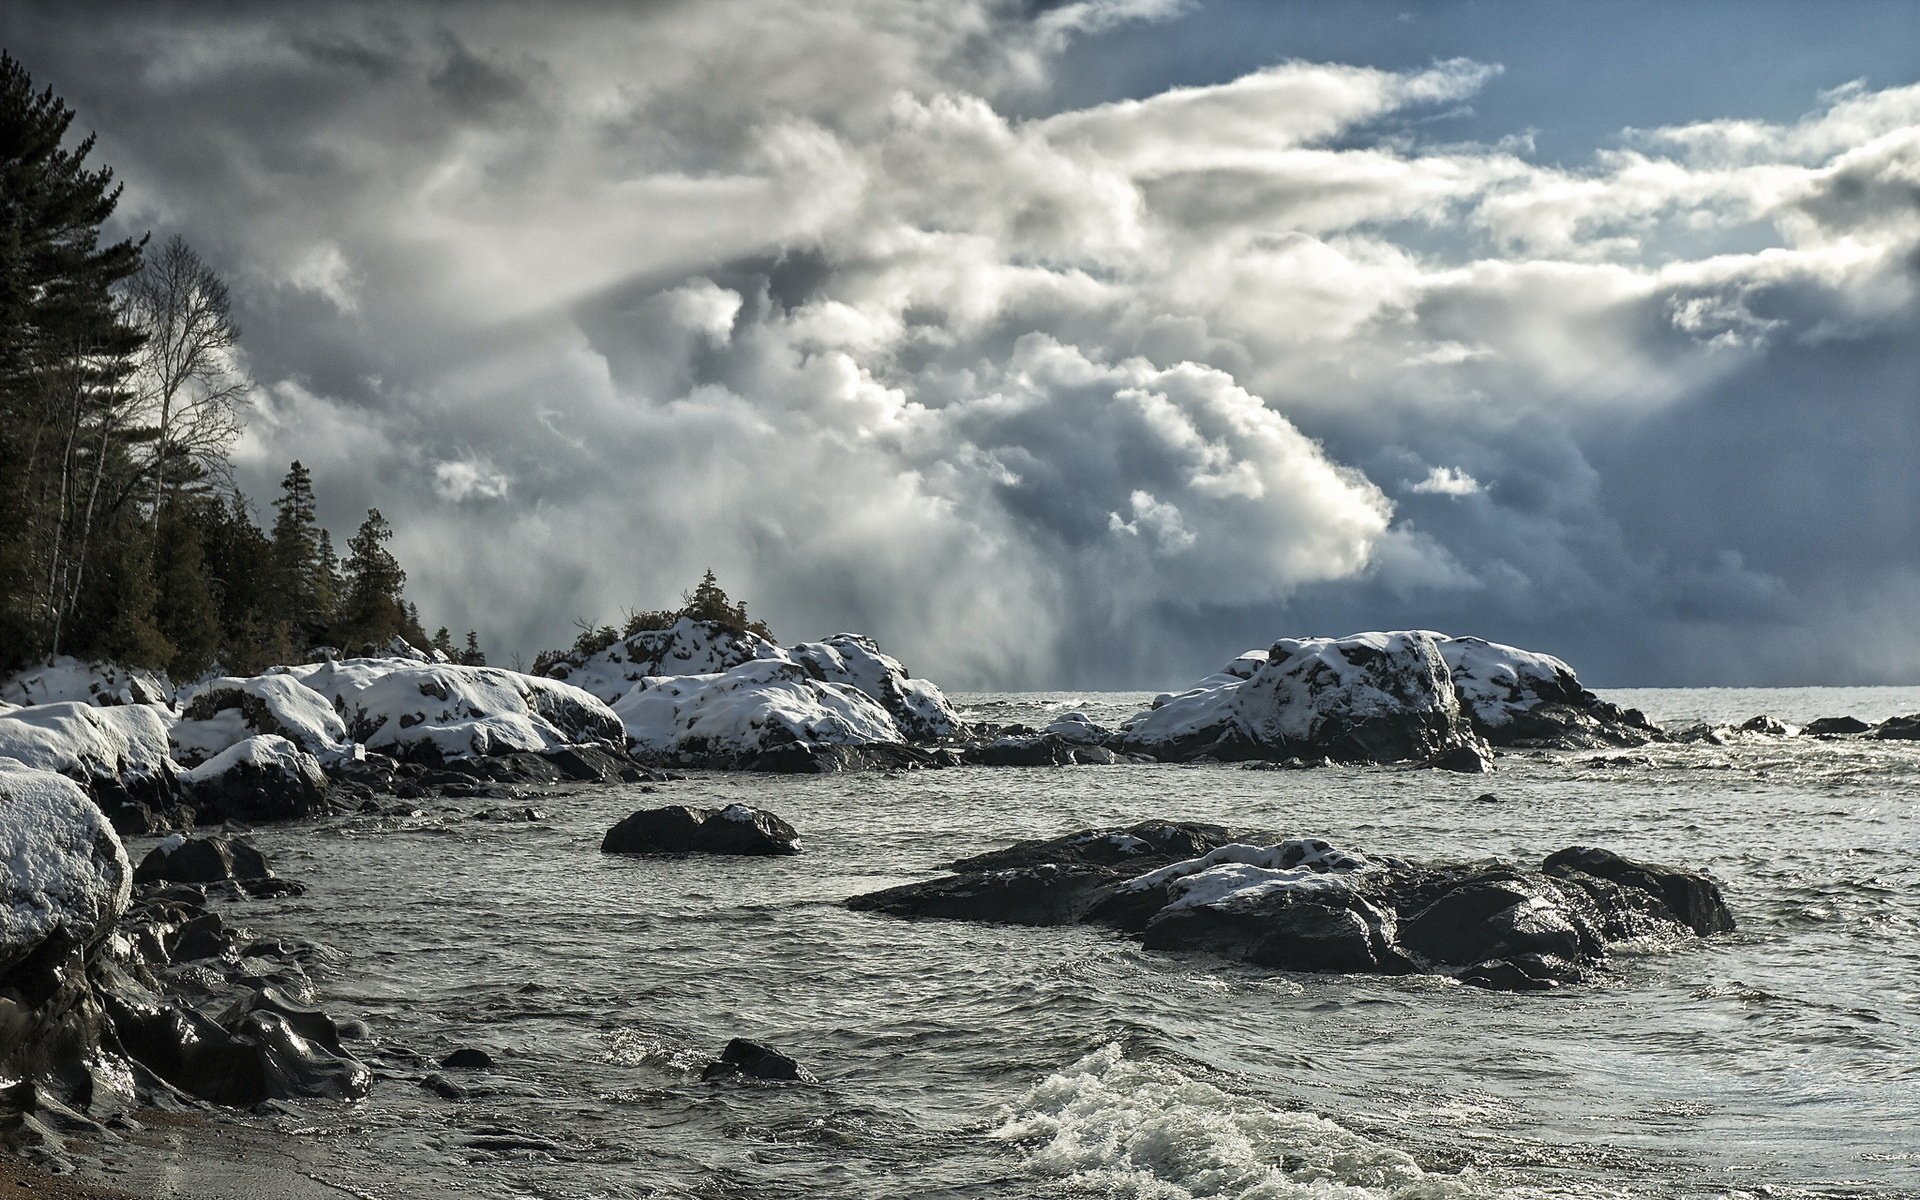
127, 988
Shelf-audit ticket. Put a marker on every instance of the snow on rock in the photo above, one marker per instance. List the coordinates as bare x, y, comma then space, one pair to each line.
1239, 873
64, 869
699, 649
687, 647
755, 707
1077, 728
115, 753
64, 678
1372, 697
414, 709
916, 705
264, 778
225, 712
1523, 697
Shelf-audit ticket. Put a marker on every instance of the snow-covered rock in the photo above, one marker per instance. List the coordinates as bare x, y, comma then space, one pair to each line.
730, 717
1372, 697
916, 705
264, 778
698, 649
118, 754
1521, 698
687, 647
63, 871
413, 709
225, 712
65, 678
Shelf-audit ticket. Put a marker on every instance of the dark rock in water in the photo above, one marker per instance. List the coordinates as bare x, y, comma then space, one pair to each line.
1467, 759
588, 764
809, 758
1905, 729
1304, 905
444, 1088
681, 829
310, 1023
1037, 750
1770, 726
1046, 894
1690, 897
468, 1058
509, 814
742, 1057
260, 1055
1834, 726
202, 860
1487, 798
281, 783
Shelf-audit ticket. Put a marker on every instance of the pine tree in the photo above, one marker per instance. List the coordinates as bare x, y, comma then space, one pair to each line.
472, 656
443, 642
186, 610
65, 418
300, 577
373, 610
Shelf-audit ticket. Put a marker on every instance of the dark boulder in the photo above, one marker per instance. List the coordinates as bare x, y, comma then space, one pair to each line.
1467, 758
1304, 905
276, 783
1771, 726
1834, 726
468, 1058
1692, 898
1037, 750
681, 829
1904, 729
814, 758
757, 1061
1044, 894
202, 860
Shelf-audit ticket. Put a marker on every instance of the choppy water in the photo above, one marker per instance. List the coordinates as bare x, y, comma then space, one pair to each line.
968, 1061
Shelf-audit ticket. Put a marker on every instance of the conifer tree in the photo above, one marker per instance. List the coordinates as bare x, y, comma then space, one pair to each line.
186, 610
373, 610
472, 655
65, 419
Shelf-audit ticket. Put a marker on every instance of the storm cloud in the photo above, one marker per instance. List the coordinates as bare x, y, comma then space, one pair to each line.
829, 298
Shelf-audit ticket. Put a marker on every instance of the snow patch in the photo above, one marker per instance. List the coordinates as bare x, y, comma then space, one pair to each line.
1239, 873
65, 678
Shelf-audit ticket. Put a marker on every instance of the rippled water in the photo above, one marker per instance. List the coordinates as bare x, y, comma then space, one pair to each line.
960, 1060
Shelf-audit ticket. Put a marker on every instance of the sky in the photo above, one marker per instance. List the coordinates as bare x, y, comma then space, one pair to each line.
1076, 344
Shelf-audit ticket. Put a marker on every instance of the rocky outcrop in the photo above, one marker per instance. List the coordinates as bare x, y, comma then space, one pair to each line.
1835, 727
1901, 729
94, 1020
434, 712
742, 716
63, 678
265, 778
181, 859
1525, 699
681, 829
1368, 698
1412, 696
222, 713
1303, 905
118, 754
701, 693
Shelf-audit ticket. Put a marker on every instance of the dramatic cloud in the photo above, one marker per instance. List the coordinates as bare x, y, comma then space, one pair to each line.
591, 301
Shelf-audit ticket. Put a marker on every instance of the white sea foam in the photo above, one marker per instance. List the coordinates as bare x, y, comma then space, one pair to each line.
1110, 1125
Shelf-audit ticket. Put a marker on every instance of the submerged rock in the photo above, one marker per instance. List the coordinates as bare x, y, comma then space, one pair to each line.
1769, 726
1304, 905
681, 829
742, 1057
